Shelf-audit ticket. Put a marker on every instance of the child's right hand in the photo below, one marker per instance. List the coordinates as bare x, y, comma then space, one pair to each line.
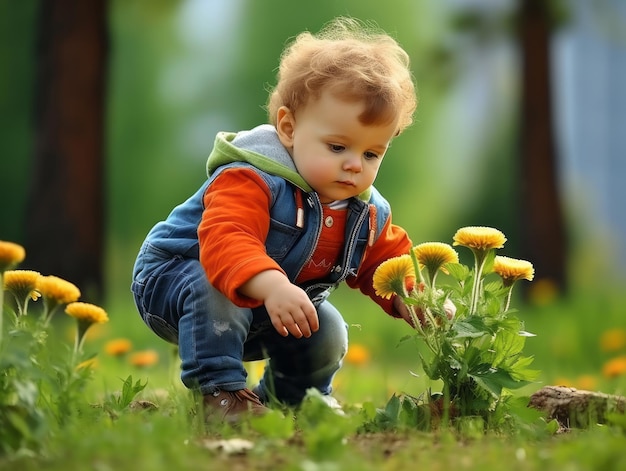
290, 309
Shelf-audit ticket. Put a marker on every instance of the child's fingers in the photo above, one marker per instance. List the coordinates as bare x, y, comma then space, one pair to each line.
286, 325
299, 324
279, 326
313, 321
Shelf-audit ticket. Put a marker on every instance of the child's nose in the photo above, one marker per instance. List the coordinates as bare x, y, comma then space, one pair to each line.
353, 163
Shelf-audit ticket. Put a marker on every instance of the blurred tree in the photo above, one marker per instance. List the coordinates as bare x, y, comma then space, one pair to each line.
542, 227
17, 30
64, 230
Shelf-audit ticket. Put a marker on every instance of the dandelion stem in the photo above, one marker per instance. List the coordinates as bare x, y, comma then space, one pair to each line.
48, 313
508, 299
81, 329
433, 277
418, 326
416, 266
24, 308
479, 263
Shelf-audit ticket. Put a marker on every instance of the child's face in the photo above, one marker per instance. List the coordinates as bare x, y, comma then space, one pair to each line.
335, 153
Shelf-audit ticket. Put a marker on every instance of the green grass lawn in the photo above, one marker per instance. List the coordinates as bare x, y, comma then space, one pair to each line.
570, 347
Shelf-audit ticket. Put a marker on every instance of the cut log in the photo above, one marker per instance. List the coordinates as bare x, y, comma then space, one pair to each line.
576, 408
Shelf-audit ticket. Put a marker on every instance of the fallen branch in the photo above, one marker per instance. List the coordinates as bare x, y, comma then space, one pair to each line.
576, 408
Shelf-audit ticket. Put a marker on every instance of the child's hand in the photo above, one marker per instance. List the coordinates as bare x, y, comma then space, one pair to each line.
403, 310
290, 309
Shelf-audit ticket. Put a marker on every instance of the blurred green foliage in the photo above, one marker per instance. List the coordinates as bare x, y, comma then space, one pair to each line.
182, 70
17, 63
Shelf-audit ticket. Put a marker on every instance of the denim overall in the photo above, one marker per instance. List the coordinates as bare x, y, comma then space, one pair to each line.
176, 300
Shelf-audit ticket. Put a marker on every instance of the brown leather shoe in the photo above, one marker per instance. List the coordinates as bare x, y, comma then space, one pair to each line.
232, 406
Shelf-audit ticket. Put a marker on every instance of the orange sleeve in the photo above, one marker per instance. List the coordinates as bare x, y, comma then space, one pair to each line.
392, 242
232, 233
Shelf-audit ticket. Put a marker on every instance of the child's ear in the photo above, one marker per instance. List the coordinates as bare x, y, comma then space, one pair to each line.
285, 126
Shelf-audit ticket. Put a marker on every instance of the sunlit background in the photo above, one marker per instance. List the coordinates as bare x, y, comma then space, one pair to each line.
180, 71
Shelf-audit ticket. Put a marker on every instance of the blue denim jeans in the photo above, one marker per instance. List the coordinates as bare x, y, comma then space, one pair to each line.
215, 337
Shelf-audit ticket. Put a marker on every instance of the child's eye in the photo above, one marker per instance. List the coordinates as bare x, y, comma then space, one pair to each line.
370, 155
336, 148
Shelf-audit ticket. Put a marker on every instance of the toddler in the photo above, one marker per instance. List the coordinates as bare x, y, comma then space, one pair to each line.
242, 270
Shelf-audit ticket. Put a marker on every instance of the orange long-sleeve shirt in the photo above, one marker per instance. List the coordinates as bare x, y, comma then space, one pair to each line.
234, 227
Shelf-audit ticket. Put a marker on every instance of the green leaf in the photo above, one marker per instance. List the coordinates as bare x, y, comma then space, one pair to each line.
472, 356
488, 266
494, 380
431, 369
553, 426
506, 345
368, 410
392, 408
273, 424
471, 327
323, 427
519, 371
458, 271
492, 304
128, 393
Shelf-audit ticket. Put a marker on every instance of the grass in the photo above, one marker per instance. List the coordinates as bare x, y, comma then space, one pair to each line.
101, 433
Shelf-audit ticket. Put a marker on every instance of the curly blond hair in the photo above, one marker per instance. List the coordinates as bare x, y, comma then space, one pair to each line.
354, 60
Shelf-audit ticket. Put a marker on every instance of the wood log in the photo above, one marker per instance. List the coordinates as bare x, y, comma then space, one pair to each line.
574, 408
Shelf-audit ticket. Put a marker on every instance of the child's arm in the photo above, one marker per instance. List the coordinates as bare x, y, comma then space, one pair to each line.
288, 306
232, 233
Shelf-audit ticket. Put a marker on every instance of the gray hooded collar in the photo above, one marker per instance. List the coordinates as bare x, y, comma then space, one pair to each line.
261, 148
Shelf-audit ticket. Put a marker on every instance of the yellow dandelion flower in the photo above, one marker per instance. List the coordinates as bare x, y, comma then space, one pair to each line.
10, 255
21, 282
118, 347
22, 285
55, 292
144, 358
479, 238
357, 354
614, 367
392, 276
613, 340
86, 315
58, 290
433, 255
512, 269
87, 312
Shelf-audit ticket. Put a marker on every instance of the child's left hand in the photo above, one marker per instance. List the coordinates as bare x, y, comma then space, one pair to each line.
404, 312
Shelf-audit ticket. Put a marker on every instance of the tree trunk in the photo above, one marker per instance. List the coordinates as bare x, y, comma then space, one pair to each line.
543, 233
576, 408
64, 230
